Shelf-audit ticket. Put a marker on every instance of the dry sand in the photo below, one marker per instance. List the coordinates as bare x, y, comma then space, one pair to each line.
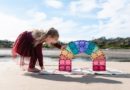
13, 78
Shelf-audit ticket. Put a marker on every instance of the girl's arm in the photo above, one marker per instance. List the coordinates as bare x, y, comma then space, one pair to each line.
57, 45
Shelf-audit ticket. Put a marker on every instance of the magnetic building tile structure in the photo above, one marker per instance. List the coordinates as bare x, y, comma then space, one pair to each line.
82, 46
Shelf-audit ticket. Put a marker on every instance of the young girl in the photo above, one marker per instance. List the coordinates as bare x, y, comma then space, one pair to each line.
29, 44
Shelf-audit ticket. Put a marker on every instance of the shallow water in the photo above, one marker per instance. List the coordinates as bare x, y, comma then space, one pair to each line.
52, 55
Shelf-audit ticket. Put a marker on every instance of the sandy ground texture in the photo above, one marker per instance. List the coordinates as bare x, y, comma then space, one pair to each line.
13, 78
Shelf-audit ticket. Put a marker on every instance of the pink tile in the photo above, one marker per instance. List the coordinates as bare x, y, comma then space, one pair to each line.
68, 68
62, 68
62, 62
102, 67
102, 62
95, 62
68, 62
96, 68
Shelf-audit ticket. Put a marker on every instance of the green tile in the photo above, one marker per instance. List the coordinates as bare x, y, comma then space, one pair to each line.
68, 48
88, 51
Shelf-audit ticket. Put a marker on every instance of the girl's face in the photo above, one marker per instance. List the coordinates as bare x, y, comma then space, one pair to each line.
51, 40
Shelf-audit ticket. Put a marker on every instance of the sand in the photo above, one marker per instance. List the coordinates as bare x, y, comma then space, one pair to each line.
13, 78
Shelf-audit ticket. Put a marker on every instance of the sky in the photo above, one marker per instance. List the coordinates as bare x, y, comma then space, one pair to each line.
74, 19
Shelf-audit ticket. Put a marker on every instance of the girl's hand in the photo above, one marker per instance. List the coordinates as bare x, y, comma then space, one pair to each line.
42, 68
63, 47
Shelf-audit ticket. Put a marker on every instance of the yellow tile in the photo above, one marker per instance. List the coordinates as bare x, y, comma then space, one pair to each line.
99, 52
94, 56
70, 55
64, 52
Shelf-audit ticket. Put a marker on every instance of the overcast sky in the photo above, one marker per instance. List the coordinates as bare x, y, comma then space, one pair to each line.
75, 19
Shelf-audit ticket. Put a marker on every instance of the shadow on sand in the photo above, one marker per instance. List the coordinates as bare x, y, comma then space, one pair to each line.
118, 76
84, 79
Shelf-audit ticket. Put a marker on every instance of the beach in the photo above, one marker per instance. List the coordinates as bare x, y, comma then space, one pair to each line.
12, 77
64, 44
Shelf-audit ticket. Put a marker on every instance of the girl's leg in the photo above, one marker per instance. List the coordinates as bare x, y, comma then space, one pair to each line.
32, 62
32, 65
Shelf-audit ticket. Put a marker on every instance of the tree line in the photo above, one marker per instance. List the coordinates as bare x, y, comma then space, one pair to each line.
104, 43
113, 43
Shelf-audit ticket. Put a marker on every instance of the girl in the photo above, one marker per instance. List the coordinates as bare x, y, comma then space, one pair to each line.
29, 44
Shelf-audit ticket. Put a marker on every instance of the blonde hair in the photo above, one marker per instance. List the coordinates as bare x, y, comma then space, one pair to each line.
52, 32
38, 34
